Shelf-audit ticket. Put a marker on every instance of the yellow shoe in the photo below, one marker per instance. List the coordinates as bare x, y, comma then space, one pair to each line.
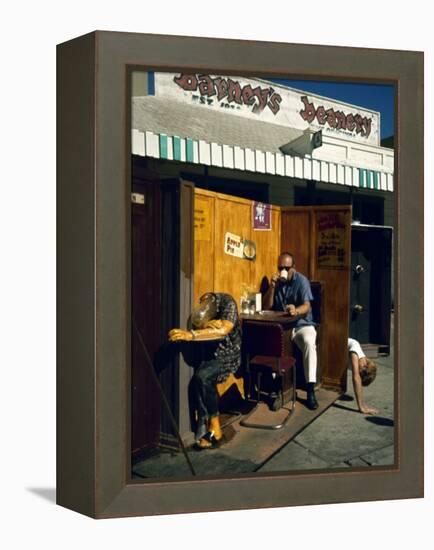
205, 442
215, 428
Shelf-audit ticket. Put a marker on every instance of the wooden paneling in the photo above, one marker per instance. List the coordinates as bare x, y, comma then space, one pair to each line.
296, 236
267, 249
204, 245
233, 215
300, 235
294, 229
334, 328
214, 269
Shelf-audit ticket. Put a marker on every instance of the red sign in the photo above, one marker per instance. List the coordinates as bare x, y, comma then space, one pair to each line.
336, 119
231, 91
261, 216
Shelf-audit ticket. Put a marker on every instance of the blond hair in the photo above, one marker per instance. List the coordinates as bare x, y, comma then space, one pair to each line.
368, 372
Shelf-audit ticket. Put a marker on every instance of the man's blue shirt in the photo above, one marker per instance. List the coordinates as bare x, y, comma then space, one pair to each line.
296, 291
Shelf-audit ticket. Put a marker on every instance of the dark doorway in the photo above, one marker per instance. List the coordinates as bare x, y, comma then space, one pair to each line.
368, 210
246, 189
371, 285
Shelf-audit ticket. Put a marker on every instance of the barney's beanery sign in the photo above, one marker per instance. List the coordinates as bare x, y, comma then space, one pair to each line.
272, 102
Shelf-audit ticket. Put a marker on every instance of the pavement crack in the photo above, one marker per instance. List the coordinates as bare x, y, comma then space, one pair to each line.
376, 449
310, 451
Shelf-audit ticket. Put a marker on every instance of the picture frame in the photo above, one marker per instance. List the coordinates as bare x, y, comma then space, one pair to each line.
94, 283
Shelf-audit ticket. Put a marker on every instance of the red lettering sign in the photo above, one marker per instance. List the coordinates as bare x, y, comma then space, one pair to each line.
231, 91
335, 119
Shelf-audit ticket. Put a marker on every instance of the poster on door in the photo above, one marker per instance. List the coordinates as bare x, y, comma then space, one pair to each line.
332, 234
202, 224
234, 245
261, 216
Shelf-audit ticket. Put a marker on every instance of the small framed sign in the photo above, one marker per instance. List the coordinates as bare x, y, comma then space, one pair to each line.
261, 216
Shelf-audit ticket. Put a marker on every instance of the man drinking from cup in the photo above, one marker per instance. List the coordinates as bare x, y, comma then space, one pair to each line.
290, 291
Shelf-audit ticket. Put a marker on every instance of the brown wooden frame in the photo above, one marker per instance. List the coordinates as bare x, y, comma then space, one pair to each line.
93, 444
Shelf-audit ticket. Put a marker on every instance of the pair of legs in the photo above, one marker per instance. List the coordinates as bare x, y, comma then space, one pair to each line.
305, 339
204, 383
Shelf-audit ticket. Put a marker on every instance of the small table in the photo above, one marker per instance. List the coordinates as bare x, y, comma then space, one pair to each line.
287, 322
269, 316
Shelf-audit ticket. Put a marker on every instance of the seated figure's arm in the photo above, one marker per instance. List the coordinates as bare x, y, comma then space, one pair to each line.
299, 310
303, 309
214, 328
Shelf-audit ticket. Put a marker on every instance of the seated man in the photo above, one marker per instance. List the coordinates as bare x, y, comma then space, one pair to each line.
364, 372
290, 291
216, 317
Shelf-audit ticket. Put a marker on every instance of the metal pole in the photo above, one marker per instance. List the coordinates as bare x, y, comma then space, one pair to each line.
165, 402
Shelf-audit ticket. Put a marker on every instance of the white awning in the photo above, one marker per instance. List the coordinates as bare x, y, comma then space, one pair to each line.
174, 131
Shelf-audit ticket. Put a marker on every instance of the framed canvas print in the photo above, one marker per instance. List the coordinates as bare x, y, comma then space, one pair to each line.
240, 270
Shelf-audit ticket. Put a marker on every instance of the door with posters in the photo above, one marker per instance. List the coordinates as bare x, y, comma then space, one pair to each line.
320, 239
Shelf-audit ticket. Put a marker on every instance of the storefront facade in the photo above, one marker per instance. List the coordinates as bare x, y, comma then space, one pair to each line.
252, 139
190, 119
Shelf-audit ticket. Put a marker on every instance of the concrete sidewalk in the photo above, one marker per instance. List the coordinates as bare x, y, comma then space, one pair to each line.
342, 437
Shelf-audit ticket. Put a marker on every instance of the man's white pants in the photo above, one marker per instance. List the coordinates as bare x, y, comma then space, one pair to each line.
305, 339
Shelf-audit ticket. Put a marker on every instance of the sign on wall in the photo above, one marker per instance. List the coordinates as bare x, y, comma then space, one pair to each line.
202, 224
234, 245
261, 216
331, 250
266, 101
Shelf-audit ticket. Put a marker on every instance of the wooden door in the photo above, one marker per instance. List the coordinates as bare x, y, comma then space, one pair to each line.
320, 239
145, 296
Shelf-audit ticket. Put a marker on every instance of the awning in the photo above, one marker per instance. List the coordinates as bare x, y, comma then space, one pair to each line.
171, 130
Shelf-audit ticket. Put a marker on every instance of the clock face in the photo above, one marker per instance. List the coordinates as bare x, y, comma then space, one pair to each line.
249, 250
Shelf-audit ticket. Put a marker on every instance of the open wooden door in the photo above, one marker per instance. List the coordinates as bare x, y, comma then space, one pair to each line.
146, 311
320, 239
162, 270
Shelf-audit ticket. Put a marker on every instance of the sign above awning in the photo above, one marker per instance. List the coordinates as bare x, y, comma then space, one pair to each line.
265, 101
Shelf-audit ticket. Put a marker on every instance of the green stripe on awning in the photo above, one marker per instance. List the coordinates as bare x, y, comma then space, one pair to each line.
163, 146
189, 150
176, 148
369, 179
375, 180
361, 177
